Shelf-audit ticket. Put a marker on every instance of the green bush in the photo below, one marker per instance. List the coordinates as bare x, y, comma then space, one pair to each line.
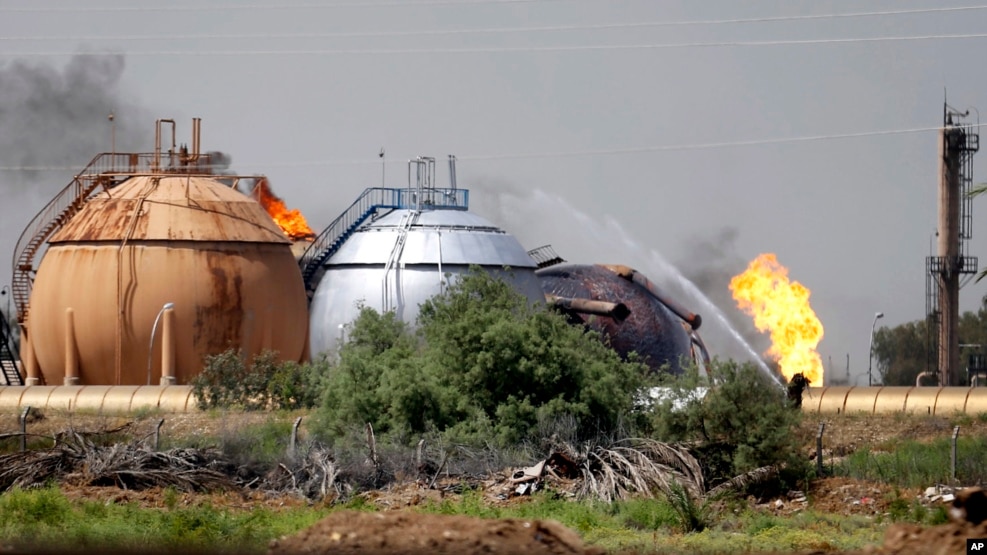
227, 381
484, 367
741, 422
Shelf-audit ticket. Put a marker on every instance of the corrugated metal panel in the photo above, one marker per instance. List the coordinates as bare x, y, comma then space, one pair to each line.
175, 209
892, 399
951, 400
833, 399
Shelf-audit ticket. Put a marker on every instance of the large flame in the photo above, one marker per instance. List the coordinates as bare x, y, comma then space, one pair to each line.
291, 222
781, 308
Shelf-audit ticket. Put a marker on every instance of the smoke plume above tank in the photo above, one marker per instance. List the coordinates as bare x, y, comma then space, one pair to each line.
53, 120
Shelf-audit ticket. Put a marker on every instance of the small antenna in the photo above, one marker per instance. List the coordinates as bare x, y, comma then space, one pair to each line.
383, 165
113, 134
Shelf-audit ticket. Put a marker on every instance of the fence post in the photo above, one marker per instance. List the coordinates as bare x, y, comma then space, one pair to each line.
819, 454
952, 458
293, 442
157, 434
24, 428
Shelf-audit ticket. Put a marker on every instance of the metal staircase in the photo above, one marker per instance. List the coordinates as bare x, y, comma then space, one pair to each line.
104, 171
8, 355
371, 202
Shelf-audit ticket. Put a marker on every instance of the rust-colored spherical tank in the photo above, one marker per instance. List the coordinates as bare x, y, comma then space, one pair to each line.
188, 240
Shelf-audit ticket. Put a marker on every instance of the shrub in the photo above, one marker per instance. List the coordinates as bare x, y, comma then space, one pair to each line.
483, 368
742, 423
227, 381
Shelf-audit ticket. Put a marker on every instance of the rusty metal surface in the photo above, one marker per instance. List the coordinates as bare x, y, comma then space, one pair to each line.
650, 330
226, 295
691, 318
617, 311
171, 208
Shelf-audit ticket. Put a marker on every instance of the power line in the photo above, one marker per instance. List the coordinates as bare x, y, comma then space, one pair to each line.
577, 153
497, 49
490, 30
231, 7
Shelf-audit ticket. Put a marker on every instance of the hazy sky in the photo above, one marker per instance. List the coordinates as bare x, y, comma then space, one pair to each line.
639, 132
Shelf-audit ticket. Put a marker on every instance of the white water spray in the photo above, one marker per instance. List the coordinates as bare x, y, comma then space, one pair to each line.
656, 264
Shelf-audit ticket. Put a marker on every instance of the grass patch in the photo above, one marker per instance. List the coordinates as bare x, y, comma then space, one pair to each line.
917, 465
654, 526
46, 519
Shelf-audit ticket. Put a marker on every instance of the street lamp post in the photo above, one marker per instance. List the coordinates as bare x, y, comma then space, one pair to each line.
870, 356
154, 328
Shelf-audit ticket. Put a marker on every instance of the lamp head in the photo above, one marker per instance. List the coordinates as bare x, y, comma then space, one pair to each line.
879, 315
168, 306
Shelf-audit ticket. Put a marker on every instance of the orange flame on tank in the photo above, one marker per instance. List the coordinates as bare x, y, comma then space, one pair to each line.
781, 308
291, 222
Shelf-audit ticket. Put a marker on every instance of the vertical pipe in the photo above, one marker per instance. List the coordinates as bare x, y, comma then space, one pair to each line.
71, 350
28, 360
196, 130
819, 450
156, 160
951, 139
168, 347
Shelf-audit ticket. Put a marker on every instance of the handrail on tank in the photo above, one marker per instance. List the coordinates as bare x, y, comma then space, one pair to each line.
372, 201
105, 170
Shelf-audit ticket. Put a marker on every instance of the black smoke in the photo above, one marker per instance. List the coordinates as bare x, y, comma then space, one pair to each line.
712, 262
53, 121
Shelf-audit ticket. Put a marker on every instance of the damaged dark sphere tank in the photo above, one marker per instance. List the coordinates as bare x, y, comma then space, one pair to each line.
663, 338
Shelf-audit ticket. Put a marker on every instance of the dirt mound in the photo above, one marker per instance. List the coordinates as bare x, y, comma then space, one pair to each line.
912, 539
408, 533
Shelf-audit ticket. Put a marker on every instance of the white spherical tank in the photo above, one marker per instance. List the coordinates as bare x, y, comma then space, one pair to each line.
403, 258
